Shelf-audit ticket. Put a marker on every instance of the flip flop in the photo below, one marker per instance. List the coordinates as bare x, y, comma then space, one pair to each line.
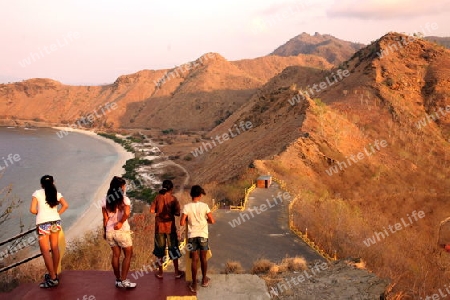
192, 289
159, 276
206, 283
179, 275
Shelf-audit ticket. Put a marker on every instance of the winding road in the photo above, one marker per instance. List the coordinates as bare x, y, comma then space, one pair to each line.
260, 231
264, 233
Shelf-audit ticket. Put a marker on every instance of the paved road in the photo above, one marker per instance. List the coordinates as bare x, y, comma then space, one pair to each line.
263, 235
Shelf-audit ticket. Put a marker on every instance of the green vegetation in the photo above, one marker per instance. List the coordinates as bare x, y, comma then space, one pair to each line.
168, 131
143, 193
112, 136
131, 165
136, 138
139, 191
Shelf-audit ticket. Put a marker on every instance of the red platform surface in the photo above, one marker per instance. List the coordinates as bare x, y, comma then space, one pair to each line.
99, 285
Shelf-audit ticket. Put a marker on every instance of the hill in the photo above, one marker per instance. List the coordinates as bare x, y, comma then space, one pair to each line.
208, 89
366, 156
334, 50
443, 41
363, 147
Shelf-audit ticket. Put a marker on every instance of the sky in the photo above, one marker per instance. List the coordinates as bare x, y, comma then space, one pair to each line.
94, 42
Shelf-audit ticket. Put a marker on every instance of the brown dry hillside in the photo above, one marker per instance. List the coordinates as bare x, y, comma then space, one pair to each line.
258, 67
208, 90
385, 101
363, 156
334, 50
275, 124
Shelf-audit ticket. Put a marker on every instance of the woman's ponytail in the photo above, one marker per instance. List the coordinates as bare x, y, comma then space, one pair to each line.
50, 190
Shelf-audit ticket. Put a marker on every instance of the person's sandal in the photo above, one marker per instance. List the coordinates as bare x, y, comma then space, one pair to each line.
49, 283
159, 276
179, 275
47, 276
192, 289
206, 283
126, 284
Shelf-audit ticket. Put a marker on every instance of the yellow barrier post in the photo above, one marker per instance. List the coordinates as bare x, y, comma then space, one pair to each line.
304, 237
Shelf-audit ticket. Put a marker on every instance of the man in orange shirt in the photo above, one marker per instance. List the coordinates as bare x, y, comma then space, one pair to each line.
166, 207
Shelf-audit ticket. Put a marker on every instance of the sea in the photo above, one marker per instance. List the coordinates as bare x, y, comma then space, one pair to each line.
78, 162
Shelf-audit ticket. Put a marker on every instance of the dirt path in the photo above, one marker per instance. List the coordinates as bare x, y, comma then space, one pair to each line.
263, 235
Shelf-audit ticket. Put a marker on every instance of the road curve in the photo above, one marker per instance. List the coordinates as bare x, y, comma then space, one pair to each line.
263, 234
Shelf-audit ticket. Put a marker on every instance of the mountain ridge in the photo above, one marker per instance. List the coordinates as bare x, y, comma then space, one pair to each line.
355, 149
143, 97
334, 50
322, 134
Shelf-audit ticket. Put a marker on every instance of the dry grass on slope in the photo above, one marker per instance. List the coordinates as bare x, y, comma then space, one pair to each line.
343, 210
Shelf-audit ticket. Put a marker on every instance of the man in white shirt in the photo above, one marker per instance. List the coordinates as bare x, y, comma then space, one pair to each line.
197, 215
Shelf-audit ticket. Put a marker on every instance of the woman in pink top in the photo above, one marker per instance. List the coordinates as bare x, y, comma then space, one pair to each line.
44, 204
116, 211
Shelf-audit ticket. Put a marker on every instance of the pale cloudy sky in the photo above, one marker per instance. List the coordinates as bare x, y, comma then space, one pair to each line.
94, 42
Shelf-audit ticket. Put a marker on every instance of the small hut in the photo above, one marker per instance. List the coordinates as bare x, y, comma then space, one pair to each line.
263, 181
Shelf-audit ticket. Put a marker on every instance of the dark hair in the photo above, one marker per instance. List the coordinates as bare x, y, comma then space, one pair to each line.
50, 190
114, 196
196, 191
167, 186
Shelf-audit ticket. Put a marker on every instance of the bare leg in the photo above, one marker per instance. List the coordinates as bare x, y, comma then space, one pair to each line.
115, 261
175, 265
160, 268
45, 250
194, 265
54, 236
128, 252
203, 265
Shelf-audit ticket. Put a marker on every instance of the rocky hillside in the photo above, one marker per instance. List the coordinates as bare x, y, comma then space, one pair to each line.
337, 281
334, 50
364, 147
366, 153
208, 90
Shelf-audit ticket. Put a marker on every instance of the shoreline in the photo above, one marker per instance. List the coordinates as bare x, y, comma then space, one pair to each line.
91, 219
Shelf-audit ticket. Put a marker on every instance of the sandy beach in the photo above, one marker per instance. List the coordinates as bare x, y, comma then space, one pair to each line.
92, 217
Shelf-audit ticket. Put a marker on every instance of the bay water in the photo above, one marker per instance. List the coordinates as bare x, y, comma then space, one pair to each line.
78, 162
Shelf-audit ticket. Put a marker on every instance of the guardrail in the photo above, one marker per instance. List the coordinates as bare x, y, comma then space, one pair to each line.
247, 193
299, 233
18, 236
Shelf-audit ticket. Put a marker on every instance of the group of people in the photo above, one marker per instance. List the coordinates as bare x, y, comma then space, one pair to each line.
196, 215
48, 204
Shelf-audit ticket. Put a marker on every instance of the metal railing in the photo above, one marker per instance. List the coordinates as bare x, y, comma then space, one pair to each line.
18, 236
247, 193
